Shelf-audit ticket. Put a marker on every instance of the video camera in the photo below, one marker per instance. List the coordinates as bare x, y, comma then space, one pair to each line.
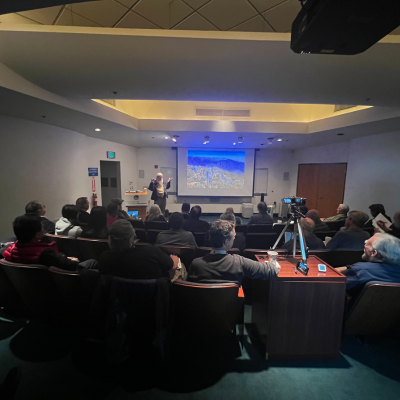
296, 201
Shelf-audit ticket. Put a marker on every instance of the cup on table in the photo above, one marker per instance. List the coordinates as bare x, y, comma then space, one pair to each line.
272, 257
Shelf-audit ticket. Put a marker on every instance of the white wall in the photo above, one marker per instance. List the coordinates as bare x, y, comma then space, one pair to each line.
50, 164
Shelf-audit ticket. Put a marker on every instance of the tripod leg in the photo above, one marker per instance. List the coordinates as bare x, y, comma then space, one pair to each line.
282, 233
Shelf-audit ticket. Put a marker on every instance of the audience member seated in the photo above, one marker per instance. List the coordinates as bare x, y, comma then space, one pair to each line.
351, 236
112, 214
394, 229
341, 213
375, 210
83, 206
185, 210
319, 225
133, 262
97, 226
312, 242
155, 214
68, 224
262, 217
194, 223
36, 208
238, 219
29, 248
176, 236
122, 214
382, 256
220, 266
240, 238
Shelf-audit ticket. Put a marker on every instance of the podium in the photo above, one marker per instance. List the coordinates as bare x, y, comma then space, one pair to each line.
140, 200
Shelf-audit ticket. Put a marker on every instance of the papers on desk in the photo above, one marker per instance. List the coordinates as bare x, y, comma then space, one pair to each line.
382, 218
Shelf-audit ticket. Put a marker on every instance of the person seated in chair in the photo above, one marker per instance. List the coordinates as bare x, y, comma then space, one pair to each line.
319, 225
97, 226
375, 210
155, 214
351, 236
176, 236
220, 266
393, 229
122, 214
185, 210
194, 223
68, 224
382, 263
341, 213
30, 249
238, 219
36, 208
240, 238
133, 262
263, 217
312, 242
83, 206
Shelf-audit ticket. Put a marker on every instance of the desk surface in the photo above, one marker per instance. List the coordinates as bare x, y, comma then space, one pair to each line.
288, 268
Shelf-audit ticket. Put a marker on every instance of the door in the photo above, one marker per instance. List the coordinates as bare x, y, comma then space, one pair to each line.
323, 186
110, 181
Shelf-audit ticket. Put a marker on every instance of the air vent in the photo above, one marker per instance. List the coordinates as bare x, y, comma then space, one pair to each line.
341, 107
111, 102
219, 112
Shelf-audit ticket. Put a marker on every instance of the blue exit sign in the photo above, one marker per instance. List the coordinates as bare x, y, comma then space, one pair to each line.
110, 154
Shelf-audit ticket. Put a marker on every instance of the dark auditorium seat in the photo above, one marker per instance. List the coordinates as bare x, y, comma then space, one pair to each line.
251, 253
322, 235
141, 235
341, 258
241, 229
370, 230
375, 310
259, 228
186, 254
66, 244
278, 228
261, 240
335, 225
152, 235
35, 287
9, 297
203, 251
137, 223
157, 225
199, 237
92, 248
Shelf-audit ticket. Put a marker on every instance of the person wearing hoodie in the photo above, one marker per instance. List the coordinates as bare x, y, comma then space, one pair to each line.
67, 225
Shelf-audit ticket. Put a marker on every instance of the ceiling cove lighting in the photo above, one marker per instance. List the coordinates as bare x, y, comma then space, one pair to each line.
206, 139
240, 140
175, 138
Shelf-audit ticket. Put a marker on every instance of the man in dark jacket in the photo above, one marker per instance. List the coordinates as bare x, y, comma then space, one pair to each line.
36, 208
159, 189
263, 217
194, 223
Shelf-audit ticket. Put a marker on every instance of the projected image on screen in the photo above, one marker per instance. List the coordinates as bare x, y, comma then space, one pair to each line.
215, 169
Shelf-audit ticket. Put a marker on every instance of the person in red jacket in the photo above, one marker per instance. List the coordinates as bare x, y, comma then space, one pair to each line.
30, 249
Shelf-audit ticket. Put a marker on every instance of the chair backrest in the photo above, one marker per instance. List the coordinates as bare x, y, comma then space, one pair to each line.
66, 244
241, 228
259, 228
141, 235
199, 237
278, 228
370, 230
159, 225
376, 309
203, 251
152, 235
323, 234
36, 288
261, 240
137, 223
203, 310
186, 254
9, 297
341, 258
92, 248
335, 225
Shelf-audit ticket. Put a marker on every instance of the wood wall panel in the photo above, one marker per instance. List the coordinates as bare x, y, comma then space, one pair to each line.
307, 183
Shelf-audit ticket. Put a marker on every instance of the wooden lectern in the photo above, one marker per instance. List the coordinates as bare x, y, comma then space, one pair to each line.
141, 208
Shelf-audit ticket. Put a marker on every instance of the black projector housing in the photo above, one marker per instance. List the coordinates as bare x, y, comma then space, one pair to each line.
343, 26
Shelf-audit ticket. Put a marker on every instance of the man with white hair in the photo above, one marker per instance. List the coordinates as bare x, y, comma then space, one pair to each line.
159, 189
341, 213
382, 263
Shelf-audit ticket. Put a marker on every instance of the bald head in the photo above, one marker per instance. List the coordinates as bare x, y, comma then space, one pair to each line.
307, 224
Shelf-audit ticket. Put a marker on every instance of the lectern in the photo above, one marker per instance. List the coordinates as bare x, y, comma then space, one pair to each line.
138, 203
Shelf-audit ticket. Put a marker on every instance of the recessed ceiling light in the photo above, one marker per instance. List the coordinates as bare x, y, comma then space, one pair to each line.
166, 137
175, 138
206, 139
240, 139
270, 140
340, 134
97, 129
234, 143
279, 140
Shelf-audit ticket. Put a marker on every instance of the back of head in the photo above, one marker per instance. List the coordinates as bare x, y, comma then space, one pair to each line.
262, 208
314, 215
344, 209
112, 209
70, 212
154, 212
388, 248
176, 221
228, 216
98, 218
81, 202
377, 209
230, 210
185, 207
307, 224
33, 208
117, 201
26, 226
359, 218
220, 231
120, 235
195, 212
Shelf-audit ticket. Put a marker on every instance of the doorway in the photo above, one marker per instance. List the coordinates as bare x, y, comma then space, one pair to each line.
323, 186
110, 173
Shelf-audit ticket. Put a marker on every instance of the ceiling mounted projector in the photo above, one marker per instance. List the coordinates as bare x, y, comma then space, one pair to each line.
343, 26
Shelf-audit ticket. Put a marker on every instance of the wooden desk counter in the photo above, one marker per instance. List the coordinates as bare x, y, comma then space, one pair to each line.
298, 316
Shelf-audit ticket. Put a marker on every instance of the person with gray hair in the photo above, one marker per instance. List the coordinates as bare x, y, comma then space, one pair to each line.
341, 213
219, 266
126, 260
382, 263
155, 214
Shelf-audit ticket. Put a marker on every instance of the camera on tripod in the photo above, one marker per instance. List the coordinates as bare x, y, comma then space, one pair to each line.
297, 201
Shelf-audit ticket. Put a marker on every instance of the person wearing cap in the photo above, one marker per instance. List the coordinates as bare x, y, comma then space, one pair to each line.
128, 261
159, 189
122, 214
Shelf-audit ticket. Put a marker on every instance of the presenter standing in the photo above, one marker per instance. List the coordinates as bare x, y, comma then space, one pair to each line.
159, 189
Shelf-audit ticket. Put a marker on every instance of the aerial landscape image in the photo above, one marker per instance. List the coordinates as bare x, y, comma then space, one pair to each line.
215, 169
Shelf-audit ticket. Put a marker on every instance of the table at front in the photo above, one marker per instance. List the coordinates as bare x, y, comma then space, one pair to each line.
297, 316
